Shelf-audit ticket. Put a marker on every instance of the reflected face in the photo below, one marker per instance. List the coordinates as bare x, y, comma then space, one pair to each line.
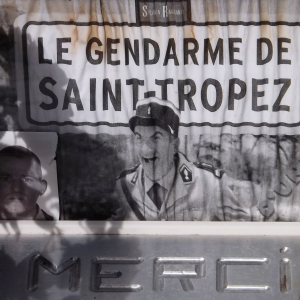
156, 149
20, 186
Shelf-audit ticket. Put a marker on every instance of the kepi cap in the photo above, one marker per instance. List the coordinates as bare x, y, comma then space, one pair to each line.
156, 112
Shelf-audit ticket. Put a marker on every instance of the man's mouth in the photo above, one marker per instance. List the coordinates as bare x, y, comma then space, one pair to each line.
13, 197
148, 160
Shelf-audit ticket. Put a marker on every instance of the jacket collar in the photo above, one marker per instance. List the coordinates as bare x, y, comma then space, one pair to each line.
184, 176
182, 180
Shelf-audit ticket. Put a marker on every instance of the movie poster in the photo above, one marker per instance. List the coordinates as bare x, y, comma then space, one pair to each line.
165, 110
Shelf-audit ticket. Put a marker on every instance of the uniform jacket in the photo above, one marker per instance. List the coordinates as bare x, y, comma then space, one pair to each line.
196, 194
42, 215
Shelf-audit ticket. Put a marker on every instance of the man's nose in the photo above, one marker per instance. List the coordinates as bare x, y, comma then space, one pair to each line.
16, 185
147, 148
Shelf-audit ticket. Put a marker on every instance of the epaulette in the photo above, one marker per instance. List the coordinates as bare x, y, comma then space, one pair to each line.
126, 172
217, 172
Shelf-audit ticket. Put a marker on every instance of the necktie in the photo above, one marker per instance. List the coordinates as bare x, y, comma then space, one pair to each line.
157, 194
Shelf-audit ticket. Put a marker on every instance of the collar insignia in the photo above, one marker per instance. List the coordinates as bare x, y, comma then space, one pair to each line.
134, 178
186, 174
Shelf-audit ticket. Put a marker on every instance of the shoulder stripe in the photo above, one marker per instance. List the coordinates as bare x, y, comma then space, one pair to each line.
217, 172
126, 172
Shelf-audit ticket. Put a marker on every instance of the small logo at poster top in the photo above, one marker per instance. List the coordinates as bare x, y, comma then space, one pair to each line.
163, 12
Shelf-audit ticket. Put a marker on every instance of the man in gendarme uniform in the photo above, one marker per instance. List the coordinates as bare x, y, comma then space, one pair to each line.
165, 185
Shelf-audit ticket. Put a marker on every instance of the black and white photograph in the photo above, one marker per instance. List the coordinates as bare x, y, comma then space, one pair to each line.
206, 177
167, 186
28, 184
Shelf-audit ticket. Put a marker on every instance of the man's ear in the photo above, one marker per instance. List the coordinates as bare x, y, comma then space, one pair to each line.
43, 187
175, 144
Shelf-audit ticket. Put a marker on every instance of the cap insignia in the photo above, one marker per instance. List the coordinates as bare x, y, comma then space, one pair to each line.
172, 131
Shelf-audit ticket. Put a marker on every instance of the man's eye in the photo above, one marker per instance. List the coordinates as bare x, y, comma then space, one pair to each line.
27, 179
5, 178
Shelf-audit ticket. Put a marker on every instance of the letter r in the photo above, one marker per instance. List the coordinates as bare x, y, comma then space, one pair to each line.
184, 276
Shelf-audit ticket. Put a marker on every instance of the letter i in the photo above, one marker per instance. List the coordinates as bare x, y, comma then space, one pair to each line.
92, 94
285, 272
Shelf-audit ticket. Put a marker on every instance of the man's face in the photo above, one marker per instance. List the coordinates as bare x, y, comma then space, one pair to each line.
20, 186
156, 149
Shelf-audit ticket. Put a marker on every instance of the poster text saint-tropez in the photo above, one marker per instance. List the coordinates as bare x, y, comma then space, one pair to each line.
111, 89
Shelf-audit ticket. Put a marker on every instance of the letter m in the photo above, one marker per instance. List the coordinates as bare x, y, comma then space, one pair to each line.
213, 54
38, 260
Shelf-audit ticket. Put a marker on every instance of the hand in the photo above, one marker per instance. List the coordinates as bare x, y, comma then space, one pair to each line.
236, 213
